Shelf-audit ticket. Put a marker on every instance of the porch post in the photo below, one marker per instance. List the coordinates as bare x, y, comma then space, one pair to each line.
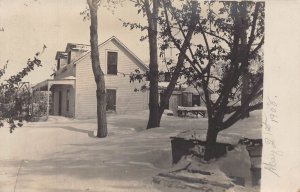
48, 99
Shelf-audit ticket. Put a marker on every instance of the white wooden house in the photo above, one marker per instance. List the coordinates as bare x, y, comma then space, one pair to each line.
73, 87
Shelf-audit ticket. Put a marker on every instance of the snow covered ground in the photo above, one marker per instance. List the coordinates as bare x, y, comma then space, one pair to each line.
62, 155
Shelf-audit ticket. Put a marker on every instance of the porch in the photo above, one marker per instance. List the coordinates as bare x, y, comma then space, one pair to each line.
62, 94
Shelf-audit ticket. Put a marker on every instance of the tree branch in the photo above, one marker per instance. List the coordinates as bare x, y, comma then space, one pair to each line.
237, 115
214, 35
181, 57
253, 26
177, 45
232, 77
252, 53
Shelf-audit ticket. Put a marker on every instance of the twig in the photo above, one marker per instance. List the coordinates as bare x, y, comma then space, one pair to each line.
181, 169
18, 175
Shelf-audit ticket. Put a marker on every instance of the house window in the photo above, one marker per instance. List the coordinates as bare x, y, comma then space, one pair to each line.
112, 63
168, 76
164, 77
69, 57
196, 100
68, 100
187, 99
161, 77
111, 97
167, 104
58, 64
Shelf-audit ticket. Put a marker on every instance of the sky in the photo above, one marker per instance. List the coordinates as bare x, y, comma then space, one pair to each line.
29, 24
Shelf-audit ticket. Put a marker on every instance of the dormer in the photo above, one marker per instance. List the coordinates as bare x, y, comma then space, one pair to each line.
74, 50
61, 59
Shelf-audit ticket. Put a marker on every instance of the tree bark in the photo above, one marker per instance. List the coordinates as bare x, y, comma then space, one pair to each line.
98, 73
245, 59
154, 120
211, 141
245, 92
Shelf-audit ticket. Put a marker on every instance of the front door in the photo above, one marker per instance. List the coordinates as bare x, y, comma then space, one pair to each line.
111, 99
59, 102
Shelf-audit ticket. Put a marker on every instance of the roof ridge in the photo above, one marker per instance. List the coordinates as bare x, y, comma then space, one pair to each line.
119, 42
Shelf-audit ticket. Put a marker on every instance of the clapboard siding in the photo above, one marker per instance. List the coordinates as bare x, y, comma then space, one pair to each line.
127, 100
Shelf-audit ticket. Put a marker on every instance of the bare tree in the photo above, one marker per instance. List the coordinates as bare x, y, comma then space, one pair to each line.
152, 17
98, 73
227, 40
156, 106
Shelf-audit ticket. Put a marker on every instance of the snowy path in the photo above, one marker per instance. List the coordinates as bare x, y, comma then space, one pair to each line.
62, 155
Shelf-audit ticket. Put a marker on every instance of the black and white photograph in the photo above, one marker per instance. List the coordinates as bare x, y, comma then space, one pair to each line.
149, 96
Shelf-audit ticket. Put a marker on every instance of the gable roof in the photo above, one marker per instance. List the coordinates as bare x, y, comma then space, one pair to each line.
115, 39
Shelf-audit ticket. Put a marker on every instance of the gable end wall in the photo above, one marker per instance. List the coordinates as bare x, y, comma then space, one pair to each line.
127, 100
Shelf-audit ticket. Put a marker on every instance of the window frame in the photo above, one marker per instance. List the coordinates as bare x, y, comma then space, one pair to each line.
107, 64
58, 64
115, 89
69, 57
198, 100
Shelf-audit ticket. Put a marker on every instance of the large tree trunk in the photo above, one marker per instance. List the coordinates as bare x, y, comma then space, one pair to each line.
245, 92
211, 141
98, 73
245, 60
154, 120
